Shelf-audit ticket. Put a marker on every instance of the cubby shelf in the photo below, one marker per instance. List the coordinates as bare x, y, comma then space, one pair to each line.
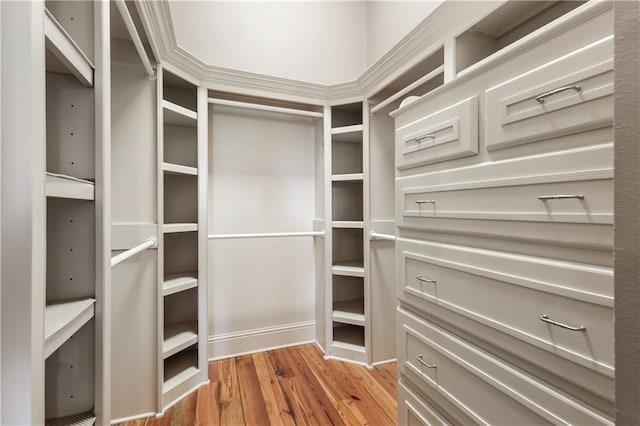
349, 268
63, 319
179, 368
349, 312
61, 186
350, 337
179, 281
352, 134
178, 169
349, 224
348, 177
169, 228
178, 337
176, 115
82, 419
71, 58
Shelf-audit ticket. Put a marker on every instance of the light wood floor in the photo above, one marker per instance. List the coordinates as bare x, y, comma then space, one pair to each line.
291, 386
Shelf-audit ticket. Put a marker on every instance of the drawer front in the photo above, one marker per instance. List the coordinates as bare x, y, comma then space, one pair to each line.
412, 411
573, 186
449, 133
517, 295
569, 95
486, 389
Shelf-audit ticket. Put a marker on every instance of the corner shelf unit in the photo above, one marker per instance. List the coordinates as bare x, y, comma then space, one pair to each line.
345, 215
182, 295
73, 337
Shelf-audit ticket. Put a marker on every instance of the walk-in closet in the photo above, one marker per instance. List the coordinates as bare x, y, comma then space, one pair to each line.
308, 212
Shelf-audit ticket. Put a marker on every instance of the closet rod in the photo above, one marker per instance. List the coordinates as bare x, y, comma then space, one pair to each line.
419, 82
261, 107
135, 37
149, 243
377, 236
266, 235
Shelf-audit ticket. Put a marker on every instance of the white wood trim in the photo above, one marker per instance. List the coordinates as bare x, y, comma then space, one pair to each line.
244, 342
132, 418
266, 235
366, 246
63, 47
328, 236
270, 108
160, 258
430, 75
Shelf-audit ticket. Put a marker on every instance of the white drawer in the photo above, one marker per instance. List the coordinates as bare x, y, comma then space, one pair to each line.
571, 94
517, 190
451, 132
486, 389
414, 412
511, 293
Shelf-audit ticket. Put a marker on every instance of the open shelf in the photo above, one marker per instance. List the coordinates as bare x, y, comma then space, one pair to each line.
178, 337
66, 57
347, 224
179, 368
350, 134
62, 186
349, 311
62, 319
348, 177
506, 25
82, 419
169, 228
345, 116
176, 115
347, 201
179, 281
177, 169
349, 268
348, 336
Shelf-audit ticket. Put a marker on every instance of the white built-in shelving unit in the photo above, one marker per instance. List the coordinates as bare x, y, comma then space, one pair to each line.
182, 299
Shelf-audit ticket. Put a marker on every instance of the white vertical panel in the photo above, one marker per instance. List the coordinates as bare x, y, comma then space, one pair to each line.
328, 234
203, 242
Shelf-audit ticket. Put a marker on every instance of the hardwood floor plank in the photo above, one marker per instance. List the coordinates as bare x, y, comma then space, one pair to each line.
290, 386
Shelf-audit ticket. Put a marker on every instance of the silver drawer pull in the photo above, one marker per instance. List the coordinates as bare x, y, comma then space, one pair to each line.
424, 280
540, 98
421, 361
561, 197
421, 138
425, 201
548, 320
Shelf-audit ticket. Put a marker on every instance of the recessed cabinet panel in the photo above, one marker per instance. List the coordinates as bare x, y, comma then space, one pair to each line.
569, 95
451, 132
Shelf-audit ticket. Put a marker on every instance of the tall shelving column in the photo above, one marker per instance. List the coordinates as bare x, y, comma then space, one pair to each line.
182, 296
76, 382
345, 252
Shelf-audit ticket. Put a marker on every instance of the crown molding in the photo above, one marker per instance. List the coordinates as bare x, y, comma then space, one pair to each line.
424, 39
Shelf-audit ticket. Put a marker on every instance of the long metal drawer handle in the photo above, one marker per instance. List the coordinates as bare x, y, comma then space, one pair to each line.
543, 96
425, 201
421, 361
561, 197
425, 280
421, 138
548, 320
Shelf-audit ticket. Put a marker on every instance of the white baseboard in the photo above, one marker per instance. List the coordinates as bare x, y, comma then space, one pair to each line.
132, 418
260, 339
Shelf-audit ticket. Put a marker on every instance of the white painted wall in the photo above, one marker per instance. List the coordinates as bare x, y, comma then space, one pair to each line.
313, 41
261, 180
389, 21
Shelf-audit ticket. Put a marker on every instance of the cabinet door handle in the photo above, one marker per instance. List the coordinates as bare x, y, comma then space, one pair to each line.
421, 361
425, 280
560, 197
548, 320
540, 98
423, 137
425, 201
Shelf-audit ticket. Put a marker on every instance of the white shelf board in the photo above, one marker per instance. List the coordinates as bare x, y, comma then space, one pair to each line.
82, 419
351, 134
350, 177
66, 51
179, 281
349, 268
64, 318
353, 224
349, 337
62, 186
177, 169
169, 228
179, 368
179, 336
176, 115
349, 312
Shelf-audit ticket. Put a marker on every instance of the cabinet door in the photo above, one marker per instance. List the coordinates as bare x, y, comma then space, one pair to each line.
571, 94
